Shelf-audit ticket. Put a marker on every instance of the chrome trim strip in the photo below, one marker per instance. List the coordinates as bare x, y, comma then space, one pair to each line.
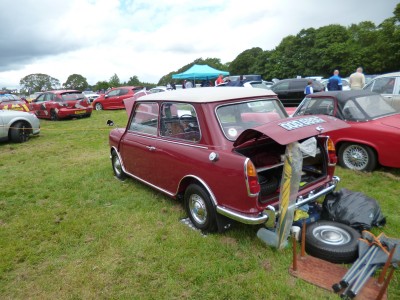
260, 219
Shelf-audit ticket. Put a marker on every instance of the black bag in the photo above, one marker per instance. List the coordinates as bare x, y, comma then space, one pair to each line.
352, 208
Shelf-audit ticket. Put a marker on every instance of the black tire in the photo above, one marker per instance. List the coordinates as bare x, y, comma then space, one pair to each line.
117, 166
98, 106
53, 115
200, 209
19, 132
357, 157
332, 241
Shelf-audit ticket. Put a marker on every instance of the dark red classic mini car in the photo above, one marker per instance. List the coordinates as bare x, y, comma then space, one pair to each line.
61, 104
221, 151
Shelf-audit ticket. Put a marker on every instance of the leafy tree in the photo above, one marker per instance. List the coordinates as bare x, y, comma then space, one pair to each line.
245, 62
39, 82
133, 81
114, 81
101, 85
76, 82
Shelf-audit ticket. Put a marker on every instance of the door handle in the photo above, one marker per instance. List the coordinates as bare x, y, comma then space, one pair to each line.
151, 148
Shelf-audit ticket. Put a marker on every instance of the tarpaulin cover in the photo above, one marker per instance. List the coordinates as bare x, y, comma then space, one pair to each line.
352, 208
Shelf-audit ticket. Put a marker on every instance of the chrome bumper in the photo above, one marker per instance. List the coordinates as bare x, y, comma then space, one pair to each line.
262, 217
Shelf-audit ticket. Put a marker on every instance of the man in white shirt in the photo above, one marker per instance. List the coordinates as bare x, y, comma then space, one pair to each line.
357, 79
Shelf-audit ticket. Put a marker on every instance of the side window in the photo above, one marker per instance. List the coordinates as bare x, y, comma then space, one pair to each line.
351, 111
384, 85
314, 106
179, 120
40, 98
47, 97
284, 86
123, 92
297, 85
113, 93
145, 118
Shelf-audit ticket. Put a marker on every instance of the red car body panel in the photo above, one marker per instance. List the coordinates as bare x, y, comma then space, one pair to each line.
61, 104
170, 164
114, 98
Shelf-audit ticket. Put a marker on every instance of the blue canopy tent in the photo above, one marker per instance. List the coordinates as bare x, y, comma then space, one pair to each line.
199, 72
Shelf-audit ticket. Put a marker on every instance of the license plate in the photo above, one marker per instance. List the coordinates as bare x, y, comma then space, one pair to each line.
78, 112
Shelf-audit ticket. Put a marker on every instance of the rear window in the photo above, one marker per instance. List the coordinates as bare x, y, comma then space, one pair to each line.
237, 117
72, 96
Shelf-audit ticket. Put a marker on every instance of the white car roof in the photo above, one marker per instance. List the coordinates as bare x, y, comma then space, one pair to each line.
395, 74
208, 94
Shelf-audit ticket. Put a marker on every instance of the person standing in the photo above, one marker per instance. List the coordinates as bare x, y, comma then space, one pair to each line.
219, 80
335, 82
309, 89
357, 79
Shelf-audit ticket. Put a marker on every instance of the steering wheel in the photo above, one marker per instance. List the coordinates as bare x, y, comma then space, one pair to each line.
186, 124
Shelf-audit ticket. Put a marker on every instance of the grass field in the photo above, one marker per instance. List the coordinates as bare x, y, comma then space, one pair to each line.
70, 230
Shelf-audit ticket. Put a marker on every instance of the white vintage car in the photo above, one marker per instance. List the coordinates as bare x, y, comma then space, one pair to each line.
18, 126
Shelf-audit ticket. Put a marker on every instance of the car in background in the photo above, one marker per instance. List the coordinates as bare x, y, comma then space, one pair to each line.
61, 104
221, 151
90, 95
18, 126
373, 135
158, 89
13, 102
291, 91
388, 85
345, 84
114, 98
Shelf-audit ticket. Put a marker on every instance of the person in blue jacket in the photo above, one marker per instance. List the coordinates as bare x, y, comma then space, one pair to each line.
335, 82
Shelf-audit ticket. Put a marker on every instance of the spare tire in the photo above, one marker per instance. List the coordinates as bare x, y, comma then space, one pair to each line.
332, 241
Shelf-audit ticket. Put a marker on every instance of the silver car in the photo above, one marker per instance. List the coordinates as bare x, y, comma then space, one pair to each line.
18, 126
388, 85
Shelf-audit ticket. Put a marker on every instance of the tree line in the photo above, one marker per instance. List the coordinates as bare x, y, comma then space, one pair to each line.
311, 52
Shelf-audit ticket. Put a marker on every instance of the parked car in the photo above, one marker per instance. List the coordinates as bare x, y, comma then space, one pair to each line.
13, 102
375, 126
90, 95
114, 98
221, 151
18, 126
388, 85
158, 89
61, 104
291, 91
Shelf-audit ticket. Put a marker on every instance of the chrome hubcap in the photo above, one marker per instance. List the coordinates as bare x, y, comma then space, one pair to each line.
331, 235
117, 165
198, 209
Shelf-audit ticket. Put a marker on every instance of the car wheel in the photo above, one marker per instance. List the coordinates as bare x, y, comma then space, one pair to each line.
332, 241
357, 157
98, 106
117, 166
19, 132
200, 209
53, 115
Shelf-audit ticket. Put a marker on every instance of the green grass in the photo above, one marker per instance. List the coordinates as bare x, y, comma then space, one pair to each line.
70, 230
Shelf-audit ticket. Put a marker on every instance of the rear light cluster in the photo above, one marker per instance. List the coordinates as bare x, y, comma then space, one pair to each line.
253, 187
331, 152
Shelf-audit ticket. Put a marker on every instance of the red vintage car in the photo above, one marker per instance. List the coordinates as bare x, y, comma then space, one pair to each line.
374, 135
61, 104
221, 151
114, 98
13, 102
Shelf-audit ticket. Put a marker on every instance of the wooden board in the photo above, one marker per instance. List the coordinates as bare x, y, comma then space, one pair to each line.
324, 274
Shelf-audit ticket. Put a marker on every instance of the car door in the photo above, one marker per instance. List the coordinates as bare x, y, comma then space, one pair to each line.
138, 145
296, 92
39, 105
282, 90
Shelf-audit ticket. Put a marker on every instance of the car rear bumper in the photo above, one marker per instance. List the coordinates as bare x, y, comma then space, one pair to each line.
263, 217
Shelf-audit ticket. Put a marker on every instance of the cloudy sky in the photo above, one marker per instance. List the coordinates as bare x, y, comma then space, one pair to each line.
100, 38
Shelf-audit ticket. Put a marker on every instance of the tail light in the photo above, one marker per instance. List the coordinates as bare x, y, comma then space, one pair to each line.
253, 187
331, 152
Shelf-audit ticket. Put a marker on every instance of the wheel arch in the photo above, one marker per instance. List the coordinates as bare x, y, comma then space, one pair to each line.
25, 122
340, 143
192, 179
